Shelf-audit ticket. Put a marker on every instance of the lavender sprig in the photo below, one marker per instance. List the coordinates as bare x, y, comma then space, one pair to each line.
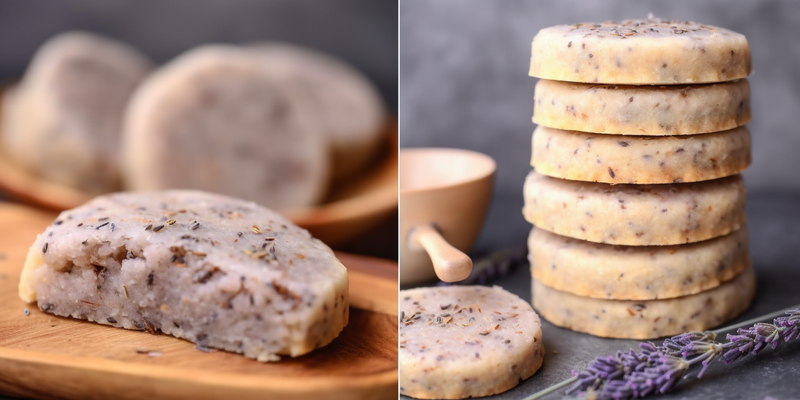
656, 369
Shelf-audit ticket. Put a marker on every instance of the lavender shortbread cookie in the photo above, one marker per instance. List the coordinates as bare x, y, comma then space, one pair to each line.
646, 319
635, 215
593, 157
640, 52
63, 121
218, 271
635, 272
466, 341
642, 110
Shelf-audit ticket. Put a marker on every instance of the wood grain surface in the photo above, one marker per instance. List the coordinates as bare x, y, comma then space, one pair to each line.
44, 356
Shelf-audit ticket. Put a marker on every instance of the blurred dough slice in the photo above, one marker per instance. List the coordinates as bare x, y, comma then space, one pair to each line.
218, 119
345, 102
63, 121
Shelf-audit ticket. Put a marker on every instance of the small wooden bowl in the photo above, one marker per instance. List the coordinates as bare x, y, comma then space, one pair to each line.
350, 209
444, 196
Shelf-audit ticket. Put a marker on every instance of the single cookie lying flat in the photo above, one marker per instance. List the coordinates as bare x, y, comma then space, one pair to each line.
646, 319
636, 110
218, 119
640, 52
593, 157
211, 269
466, 341
635, 215
345, 103
635, 272
64, 120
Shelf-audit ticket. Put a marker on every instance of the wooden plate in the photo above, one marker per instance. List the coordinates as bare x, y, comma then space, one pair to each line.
351, 208
45, 356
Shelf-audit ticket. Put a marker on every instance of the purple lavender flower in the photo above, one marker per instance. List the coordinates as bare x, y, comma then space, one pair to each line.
755, 338
601, 370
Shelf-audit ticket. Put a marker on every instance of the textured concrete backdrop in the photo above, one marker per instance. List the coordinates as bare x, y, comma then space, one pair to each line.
464, 83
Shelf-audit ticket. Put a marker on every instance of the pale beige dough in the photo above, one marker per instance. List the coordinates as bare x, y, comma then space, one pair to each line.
466, 341
346, 104
63, 121
219, 119
593, 157
640, 52
646, 319
636, 110
635, 272
636, 215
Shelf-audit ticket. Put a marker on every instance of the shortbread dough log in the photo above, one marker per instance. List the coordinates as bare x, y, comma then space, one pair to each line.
466, 341
646, 319
593, 157
345, 103
635, 272
635, 215
636, 110
218, 119
640, 52
63, 121
218, 271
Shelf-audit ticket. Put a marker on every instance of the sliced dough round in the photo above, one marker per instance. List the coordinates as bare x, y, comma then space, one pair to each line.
635, 215
466, 341
346, 105
593, 157
218, 119
635, 272
63, 121
640, 52
646, 319
215, 270
636, 110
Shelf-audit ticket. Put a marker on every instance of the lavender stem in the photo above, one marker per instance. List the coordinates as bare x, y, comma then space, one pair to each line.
567, 382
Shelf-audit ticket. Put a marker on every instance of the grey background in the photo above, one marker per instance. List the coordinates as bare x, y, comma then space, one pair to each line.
363, 32
464, 83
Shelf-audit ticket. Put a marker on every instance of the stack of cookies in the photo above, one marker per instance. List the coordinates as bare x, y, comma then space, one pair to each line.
636, 198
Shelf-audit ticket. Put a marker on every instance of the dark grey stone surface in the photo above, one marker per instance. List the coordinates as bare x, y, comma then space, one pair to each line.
774, 228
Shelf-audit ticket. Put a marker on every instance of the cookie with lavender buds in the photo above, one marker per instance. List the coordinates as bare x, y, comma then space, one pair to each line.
218, 271
466, 341
346, 104
640, 52
592, 157
635, 272
63, 121
635, 215
646, 319
218, 119
637, 110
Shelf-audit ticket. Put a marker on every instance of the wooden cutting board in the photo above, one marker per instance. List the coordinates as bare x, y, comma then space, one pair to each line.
44, 356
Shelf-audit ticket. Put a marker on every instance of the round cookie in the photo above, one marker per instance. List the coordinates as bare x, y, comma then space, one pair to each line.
466, 341
635, 272
218, 119
63, 121
636, 110
593, 157
635, 215
346, 105
640, 52
646, 319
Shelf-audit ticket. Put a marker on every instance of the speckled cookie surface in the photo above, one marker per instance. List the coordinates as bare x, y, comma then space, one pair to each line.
63, 121
218, 119
346, 104
218, 271
466, 341
635, 272
636, 215
640, 52
593, 157
636, 110
646, 319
